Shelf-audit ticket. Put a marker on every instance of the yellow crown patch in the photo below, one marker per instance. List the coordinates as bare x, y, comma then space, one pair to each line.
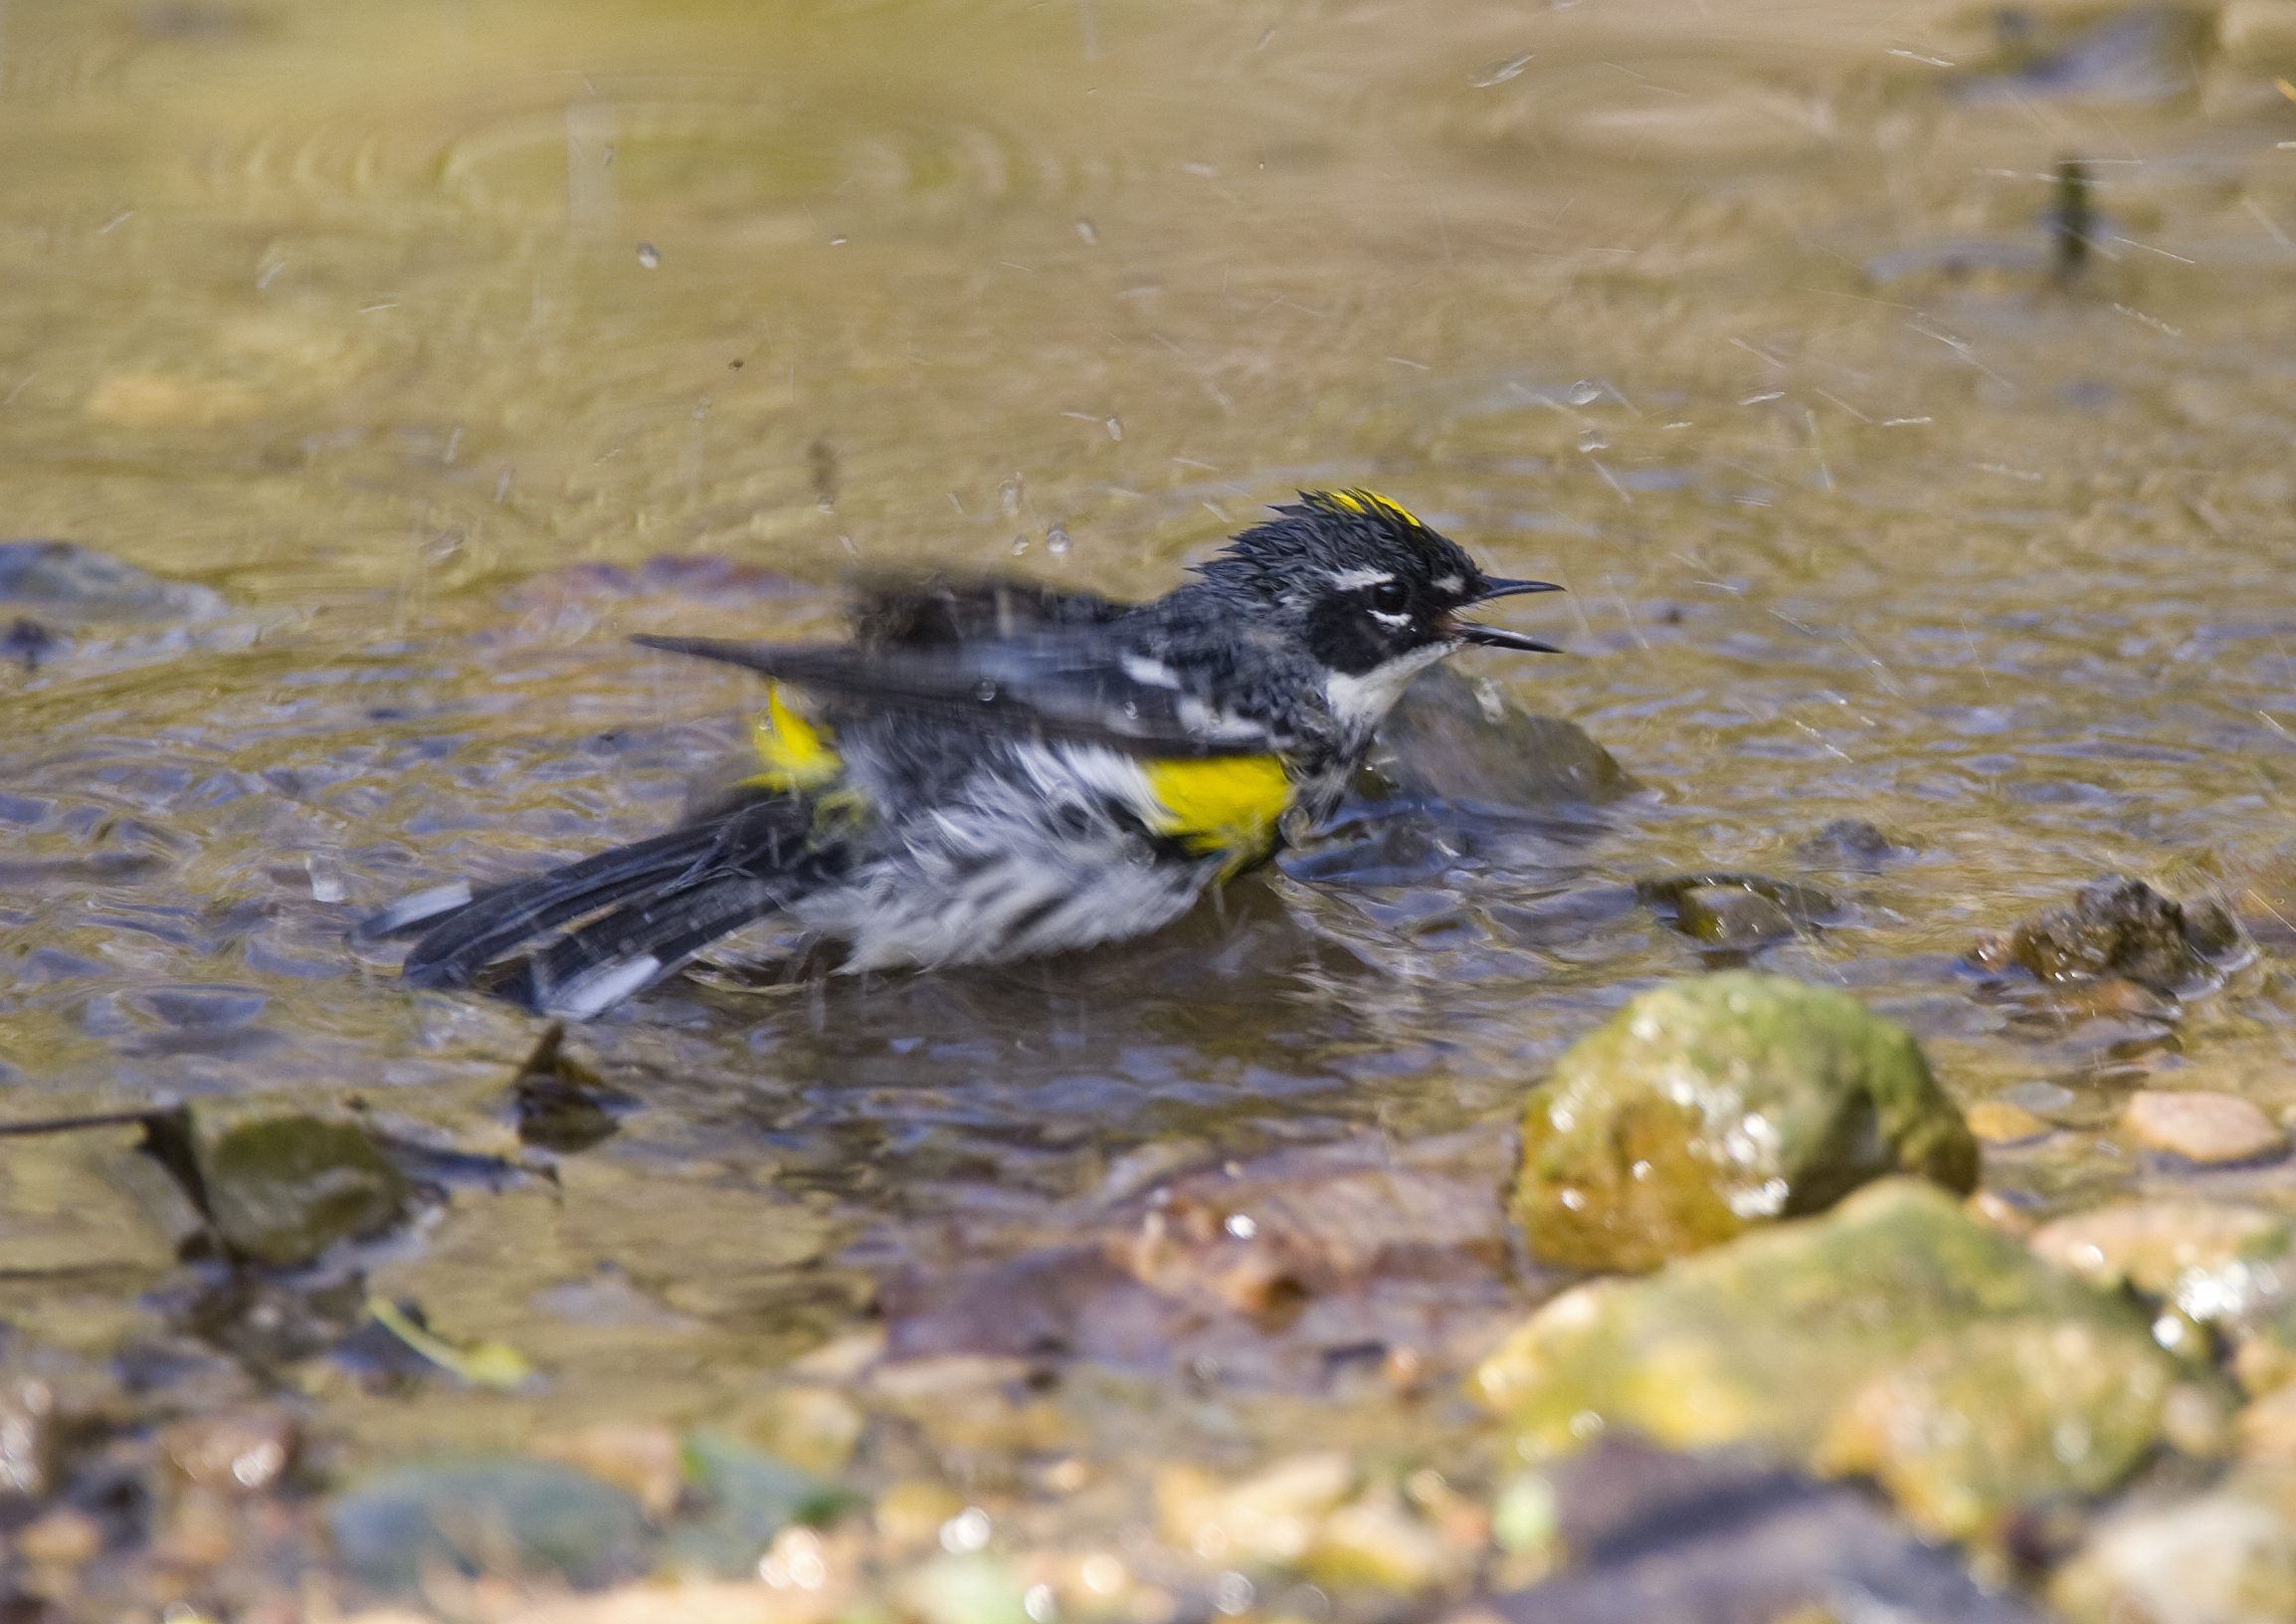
1360, 500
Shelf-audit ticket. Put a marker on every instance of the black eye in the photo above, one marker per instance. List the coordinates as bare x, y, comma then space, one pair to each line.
1389, 596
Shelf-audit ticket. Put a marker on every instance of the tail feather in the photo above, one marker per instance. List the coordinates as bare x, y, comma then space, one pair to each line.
758, 842
635, 946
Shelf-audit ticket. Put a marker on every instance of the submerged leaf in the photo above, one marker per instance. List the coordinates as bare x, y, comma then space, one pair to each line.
483, 1364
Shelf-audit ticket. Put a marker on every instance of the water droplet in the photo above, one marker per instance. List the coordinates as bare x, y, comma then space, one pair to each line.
1057, 542
1102, 1573
985, 691
1020, 546
1594, 440
965, 1533
1086, 230
1585, 392
1242, 1226
1115, 427
1232, 1593
648, 257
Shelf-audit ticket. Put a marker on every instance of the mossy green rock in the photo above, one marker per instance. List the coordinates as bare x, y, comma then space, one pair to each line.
283, 1189
1976, 1421
1713, 1104
1894, 1336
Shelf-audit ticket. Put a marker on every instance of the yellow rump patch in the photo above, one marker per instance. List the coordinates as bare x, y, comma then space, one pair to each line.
1224, 804
1359, 500
798, 756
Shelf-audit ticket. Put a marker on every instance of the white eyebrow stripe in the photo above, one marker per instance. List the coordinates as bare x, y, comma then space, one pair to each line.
1347, 581
1449, 583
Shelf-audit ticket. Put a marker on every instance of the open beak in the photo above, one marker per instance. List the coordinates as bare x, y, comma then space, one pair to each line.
1493, 637
1508, 589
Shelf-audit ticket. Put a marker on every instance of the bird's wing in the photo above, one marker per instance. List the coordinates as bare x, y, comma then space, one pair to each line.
1076, 686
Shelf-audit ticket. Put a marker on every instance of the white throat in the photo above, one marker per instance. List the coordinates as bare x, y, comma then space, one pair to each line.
1363, 701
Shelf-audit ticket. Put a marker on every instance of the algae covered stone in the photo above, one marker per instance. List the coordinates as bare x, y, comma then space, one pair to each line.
1716, 1103
1895, 1336
283, 1189
514, 1517
1985, 1417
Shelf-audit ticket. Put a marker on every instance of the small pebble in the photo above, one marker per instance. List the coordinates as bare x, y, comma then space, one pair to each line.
63, 1538
238, 1451
2199, 1126
1997, 1121
1730, 917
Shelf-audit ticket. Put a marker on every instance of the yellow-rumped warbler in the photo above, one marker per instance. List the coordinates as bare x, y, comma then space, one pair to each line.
1000, 770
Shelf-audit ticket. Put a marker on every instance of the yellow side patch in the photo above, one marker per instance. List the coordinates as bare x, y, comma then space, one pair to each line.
798, 756
1367, 501
1224, 804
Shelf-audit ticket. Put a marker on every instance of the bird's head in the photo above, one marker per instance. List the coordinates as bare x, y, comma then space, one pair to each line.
1373, 593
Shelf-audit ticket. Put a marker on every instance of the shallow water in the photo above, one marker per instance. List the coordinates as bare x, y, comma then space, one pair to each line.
393, 325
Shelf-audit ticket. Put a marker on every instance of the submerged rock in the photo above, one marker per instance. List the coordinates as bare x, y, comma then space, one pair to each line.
1445, 740
1736, 913
30, 642
2004, 1121
2202, 1127
1714, 1104
283, 1189
508, 1518
1308, 1267
1728, 917
70, 580
1852, 842
1896, 1335
2118, 928
1731, 1536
